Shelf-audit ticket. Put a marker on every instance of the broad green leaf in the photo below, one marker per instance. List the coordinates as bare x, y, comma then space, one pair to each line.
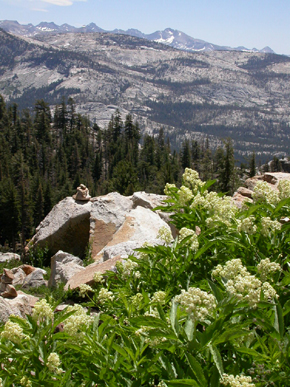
189, 329
216, 358
216, 291
279, 321
182, 383
196, 369
173, 317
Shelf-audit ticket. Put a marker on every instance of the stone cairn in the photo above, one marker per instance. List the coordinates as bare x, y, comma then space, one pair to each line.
82, 193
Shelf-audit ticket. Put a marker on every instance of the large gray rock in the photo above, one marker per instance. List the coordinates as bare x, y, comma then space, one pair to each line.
7, 309
147, 200
66, 227
34, 279
140, 225
19, 276
117, 225
108, 213
6, 257
63, 267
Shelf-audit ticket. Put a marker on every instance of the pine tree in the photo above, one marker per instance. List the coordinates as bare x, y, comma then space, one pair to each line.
252, 165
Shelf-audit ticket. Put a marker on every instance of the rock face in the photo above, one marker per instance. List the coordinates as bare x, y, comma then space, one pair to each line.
103, 222
113, 225
6, 257
66, 227
63, 267
34, 279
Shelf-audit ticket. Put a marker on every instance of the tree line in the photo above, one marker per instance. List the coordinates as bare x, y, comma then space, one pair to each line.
44, 156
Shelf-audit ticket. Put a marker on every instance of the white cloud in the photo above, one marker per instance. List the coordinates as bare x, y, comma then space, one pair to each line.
62, 3
39, 9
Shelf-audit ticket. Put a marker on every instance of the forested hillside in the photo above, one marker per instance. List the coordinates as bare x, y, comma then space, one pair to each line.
45, 156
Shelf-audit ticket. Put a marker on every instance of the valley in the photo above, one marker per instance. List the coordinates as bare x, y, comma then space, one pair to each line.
213, 94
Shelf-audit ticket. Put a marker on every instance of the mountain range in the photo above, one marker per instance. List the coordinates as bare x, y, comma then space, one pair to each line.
192, 95
173, 38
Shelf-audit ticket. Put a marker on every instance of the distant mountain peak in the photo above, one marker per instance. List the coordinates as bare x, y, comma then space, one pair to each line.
171, 37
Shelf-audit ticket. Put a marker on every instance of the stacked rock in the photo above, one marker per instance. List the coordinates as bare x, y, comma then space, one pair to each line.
8, 290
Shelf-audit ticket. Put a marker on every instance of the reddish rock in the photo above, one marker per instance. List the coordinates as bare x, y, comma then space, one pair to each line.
245, 192
86, 276
10, 292
7, 276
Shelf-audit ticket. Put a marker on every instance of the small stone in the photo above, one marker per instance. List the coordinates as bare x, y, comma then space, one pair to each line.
10, 292
82, 193
7, 276
6, 257
28, 269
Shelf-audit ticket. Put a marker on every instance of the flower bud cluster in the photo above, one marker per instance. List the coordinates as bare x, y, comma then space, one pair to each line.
185, 195
84, 290
126, 268
42, 310
191, 179
197, 303
218, 209
77, 321
269, 226
247, 225
105, 295
266, 267
136, 299
168, 188
25, 382
284, 189
193, 241
159, 297
264, 193
242, 284
165, 235
53, 363
237, 381
98, 277
13, 332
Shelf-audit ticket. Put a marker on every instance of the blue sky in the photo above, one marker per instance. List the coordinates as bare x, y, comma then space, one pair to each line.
249, 23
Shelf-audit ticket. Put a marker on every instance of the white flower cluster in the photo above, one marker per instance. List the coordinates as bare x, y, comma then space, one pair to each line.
284, 189
168, 188
84, 290
185, 195
77, 321
266, 267
247, 225
105, 295
145, 332
197, 303
193, 241
25, 382
191, 179
242, 284
127, 267
264, 193
218, 208
159, 297
165, 235
13, 332
230, 270
42, 310
53, 363
1, 382
237, 381
152, 312
136, 299
98, 277
269, 226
